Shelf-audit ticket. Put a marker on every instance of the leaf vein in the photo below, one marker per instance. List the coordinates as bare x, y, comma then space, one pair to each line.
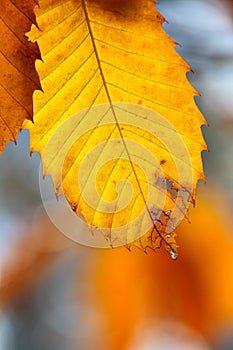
145, 78
13, 98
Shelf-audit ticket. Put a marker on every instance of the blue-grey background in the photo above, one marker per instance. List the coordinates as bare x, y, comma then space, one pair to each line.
49, 315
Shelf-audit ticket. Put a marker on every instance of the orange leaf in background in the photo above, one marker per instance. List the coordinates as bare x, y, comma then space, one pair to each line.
230, 6
133, 290
105, 52
31, 259
18, 77
144, 290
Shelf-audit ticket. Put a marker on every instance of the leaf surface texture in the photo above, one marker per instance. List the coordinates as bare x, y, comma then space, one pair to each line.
105, 52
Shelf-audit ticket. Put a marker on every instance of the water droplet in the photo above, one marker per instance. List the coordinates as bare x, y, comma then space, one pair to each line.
173, 254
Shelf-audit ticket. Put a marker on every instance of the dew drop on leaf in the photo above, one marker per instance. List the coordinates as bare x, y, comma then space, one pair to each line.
173, 254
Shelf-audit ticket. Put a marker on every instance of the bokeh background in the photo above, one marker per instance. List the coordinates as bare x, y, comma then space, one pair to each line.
56, 294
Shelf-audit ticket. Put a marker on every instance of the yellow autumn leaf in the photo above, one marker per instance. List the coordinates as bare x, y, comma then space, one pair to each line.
116, 123
18, 77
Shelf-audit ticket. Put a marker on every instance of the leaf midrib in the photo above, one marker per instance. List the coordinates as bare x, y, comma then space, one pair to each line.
114, 114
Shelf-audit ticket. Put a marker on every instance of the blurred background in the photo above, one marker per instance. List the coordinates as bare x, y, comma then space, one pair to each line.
56, 294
